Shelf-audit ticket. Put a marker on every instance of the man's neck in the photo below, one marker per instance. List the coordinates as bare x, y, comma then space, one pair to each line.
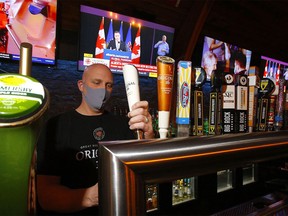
86, 110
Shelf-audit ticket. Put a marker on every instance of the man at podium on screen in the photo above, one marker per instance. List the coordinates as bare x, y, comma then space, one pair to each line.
116, 43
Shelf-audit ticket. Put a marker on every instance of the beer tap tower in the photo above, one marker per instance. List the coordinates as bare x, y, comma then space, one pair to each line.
23, 102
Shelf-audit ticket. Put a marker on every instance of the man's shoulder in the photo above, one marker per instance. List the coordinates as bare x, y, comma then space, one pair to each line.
65, 114
60, 117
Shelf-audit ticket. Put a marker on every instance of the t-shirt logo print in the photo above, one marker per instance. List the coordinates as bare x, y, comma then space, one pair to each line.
99, 133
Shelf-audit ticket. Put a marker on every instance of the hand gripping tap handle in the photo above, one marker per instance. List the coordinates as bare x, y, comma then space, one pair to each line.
131, 80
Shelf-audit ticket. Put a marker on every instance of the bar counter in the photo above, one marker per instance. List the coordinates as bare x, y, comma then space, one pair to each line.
126, 166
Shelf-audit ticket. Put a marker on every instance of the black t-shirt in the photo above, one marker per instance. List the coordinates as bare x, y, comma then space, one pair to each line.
68, 146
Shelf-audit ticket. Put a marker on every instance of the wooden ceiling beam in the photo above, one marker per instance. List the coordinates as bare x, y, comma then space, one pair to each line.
187, 35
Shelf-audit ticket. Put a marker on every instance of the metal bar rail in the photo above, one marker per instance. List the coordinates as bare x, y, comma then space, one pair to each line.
126, 166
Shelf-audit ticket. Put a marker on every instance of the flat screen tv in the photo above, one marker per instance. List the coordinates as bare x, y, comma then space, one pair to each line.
138, 39
225, 53
32, 22
218, 58
273, 68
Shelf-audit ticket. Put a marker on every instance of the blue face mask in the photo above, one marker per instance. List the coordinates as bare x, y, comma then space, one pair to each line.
96, 98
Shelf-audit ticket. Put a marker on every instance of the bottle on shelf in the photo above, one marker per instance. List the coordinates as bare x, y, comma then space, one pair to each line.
149, 203
155, 197
175, 192
180, 196
189, 188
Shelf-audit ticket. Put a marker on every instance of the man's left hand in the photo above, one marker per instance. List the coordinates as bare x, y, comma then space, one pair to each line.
140, 118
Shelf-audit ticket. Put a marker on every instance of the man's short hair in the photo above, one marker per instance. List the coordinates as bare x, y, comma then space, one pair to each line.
240, 58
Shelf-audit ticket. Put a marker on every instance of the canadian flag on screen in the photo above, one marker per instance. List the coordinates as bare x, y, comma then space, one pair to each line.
278, 74
265, 74
128, 39
100, 42
136, 49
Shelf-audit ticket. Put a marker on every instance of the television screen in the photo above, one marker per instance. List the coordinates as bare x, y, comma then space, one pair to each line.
273, 68
225, 55
218, 58
115, 39
32, 22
